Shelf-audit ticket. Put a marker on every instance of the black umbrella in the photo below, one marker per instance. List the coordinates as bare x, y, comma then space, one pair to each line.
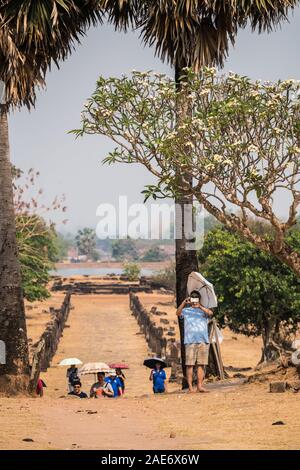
154, 360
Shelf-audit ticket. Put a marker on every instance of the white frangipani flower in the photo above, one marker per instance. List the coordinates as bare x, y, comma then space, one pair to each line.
289, 82
253, 148
236, 143
190, 144
254, 172
277, 130
209, 166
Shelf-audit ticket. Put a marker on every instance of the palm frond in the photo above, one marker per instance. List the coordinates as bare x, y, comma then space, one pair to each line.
264, 15
123, 13
190, 33
197, 33
35, 33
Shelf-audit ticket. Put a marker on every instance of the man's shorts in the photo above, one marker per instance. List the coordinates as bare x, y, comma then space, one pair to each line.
196, 353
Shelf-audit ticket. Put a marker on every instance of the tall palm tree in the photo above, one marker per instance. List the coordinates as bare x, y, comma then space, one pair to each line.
193, 33
86, 242
33, 33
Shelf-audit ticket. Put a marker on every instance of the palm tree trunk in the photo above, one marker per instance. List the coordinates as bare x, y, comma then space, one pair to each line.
186, 260
14, 374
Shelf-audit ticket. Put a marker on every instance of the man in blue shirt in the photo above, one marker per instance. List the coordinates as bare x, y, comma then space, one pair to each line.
195, 338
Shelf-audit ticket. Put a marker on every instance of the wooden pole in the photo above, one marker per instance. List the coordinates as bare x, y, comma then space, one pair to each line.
214, 363
218, 350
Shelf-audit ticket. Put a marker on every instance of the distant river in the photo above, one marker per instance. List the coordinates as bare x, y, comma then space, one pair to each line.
85, 271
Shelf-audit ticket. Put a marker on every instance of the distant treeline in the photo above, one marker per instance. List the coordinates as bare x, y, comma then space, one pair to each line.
85, 242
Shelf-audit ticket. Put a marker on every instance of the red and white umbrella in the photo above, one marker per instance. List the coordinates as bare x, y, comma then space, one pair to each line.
118, 365
94, 368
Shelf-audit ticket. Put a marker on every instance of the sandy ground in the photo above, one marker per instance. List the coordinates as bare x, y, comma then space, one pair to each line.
102, 328
237, 418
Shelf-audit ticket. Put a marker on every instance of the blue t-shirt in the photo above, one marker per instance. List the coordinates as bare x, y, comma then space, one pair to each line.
195, 325
159, 377
119, 383
115, 383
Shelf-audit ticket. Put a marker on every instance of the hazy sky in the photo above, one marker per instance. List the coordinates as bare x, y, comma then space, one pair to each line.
39, 139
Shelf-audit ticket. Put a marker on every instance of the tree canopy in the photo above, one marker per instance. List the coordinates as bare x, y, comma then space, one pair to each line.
124, 249
154, 253
131, 270
37, 252
86, 243
36, 236
239, 143
257, 294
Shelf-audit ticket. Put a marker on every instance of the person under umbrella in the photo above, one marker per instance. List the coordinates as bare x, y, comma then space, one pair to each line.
158, 377
195, 337
197, 282
72, 371
101, 388
121, 378
72, 376
119, 366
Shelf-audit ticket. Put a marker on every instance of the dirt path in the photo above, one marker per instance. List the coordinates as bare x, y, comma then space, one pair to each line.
238, 418
102, 328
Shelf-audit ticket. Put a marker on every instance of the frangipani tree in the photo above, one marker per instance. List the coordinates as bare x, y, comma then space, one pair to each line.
193, 33
242, 139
